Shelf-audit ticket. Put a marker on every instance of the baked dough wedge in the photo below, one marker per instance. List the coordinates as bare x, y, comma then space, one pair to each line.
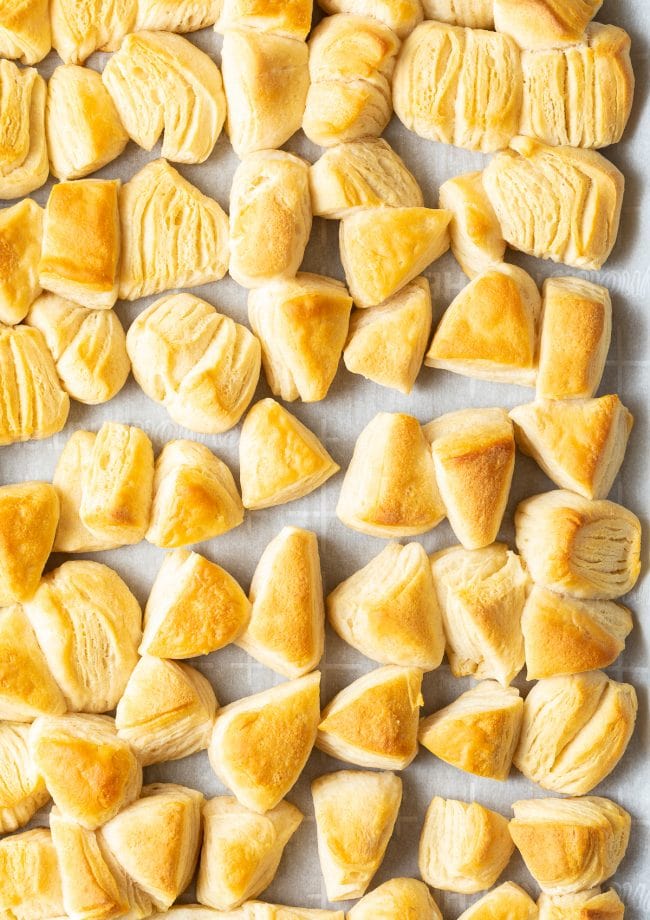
586, 905
30, 883
507, 902
254, 910
291, 18
21, 234
475, 14
25, 31
396, 899
23, 148
78, 29
355, 816
399, 15
544, 23
29, 514
176, 15
22, 789
476, 239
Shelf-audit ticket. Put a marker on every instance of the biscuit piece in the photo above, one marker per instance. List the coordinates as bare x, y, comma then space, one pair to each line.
241, 850
261, 743
399, 15
355, 816
574, 340
478, 732
389, 611
270, 217
459, 86
387, 342
78, 29
544, 23
286, 631
25, 31
30, 884
475, 14
279, 459
27, 688
173, 236
586, 905
291, 18
23, 149
464, 847
474, 458
162, 82
21, 234
351, 62
374, 721
507, 902
390, 488
538, 194
195, 497
166, 712
579, 443
302, 324
570, 845
588, 549
29, 514
361, 174
195, 607
88, 347
476, 239
481, 594
22, 790
564, 635
395, 899
176, 15
489, 330
266, 78
576, 728
256, 910
382, 249
90, 773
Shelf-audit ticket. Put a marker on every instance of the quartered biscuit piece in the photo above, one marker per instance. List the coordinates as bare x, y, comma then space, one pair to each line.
195, 607
478, 732
396, 899
399, 15
507, 902
255, 910
588, 549
176, 15
160, 82
382, 249
89, 771
302, 324
490, 329
241, 850
88, 347
538, 194
544, 23
166, 712
486, 588
570, 845
389, 488
261, 743
25, 31
266, 78
23, 149
476, 239
475, 14
29, 514
575, 730
387, 342
374, 721
21, 234
27, 687
22, 789
474, 459
88, 624
355, 816
78, 29
389, 611
586, 905
565, 635
270, 217
84, 130
30, 882
280, 459
291, 18
286, 631
173, 236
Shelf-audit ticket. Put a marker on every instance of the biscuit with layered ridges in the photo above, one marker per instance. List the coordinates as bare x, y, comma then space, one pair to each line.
478, 732
475, 14
291, 18
374, 721
389, 611
382, 249
25, 31
390, 488
27, 687
241, 850
23, 148
261, 743
486, 588
587, 905
489, 330
78, 29
160, 82
570, 845
302, 324
254, 910
355, 816
22, 789
29, 514
88, 347
564, 635
286, 631
588, 549
89, 625
396, 899
195, 607
30, 883
167, 710
476, 239
21, 234
507, 902
173, 235
544, 23
176, 15
474, 459
399, 15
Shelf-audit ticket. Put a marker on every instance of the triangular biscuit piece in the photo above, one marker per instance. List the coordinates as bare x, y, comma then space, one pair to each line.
30, 884
508, 901
579, 443
382, 249
27, 687
29, 514
395, 899
593, 904
21, 235
287, 626
279, 459
22, 790
261, 743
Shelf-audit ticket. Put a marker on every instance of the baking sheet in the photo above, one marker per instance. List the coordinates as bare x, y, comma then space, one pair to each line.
350, 405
